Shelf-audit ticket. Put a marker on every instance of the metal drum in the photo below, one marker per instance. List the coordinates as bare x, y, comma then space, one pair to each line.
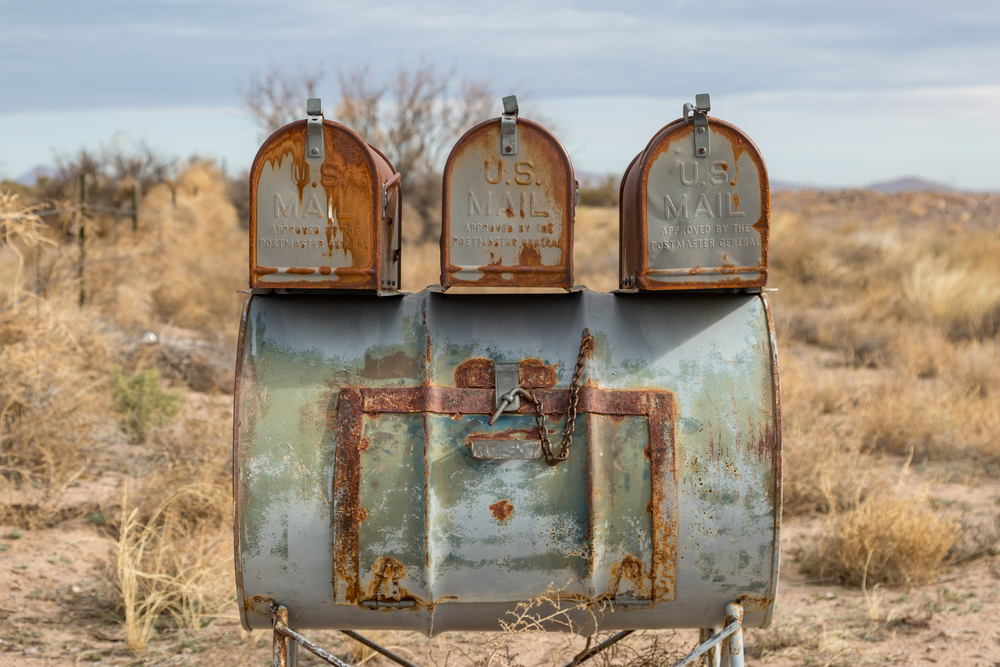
373, 492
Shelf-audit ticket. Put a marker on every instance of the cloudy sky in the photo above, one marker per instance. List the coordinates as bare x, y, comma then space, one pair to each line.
834, 93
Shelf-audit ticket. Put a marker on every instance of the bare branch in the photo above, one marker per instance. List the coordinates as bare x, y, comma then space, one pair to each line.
275, 98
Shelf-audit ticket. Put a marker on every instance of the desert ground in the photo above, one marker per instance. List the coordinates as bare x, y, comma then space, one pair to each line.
116, 423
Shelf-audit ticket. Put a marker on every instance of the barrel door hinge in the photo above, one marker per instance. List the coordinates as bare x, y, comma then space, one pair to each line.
508, 126
699, 110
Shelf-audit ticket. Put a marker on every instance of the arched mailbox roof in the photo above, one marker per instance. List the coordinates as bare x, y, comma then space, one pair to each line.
692, 221
322, 222
507, 218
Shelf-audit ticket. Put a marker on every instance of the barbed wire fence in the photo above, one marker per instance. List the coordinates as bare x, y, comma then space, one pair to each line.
78, 268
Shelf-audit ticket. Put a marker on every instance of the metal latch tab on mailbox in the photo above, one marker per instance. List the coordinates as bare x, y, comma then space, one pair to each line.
432, 461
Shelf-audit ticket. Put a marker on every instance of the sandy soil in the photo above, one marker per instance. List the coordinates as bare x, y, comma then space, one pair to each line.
52, 575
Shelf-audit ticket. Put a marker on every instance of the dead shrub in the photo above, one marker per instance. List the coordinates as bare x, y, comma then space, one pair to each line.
888, 539
824, 470
54, 393
900, 416
959, 285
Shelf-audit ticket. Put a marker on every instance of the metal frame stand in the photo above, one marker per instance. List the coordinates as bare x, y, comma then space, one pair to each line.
718, 648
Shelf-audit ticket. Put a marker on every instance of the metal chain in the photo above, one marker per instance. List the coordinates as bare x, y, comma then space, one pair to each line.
586, 346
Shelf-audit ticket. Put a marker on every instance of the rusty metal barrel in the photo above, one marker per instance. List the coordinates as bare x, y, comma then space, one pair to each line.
372, 492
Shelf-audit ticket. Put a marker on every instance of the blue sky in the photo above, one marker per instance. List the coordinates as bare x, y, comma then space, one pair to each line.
834, 93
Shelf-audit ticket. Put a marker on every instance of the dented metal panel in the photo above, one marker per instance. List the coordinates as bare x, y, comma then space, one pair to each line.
329, 220
508, 216
360, 502
692, 220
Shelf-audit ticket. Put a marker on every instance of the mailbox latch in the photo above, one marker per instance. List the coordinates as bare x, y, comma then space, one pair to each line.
702, 105
315, 146
508, 126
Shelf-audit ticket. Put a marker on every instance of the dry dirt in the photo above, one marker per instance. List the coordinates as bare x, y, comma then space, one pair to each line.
52, 576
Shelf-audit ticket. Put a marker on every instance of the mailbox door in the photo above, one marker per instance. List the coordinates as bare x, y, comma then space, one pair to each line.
508, 219
696, 222
317, 223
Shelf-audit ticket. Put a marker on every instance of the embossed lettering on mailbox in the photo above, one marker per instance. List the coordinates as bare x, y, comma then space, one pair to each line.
508, 218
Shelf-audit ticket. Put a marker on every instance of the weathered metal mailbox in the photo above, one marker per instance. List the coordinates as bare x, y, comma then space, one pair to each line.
430, 462
695, 208
324, 210
508, 207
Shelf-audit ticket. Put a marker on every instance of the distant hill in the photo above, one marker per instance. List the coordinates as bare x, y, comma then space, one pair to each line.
904, 184
30, 177
908, 184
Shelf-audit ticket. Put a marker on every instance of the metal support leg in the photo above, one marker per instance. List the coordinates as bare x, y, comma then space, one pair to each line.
378, 648
285, 654
732, 646
279, 642
586, 655
712, 658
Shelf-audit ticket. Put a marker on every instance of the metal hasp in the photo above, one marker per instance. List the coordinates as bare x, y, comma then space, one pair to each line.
361, 503
507, 215
315, 146
324, 210
699, 112
695, 208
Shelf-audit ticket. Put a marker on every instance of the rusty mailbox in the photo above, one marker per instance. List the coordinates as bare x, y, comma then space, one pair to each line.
324, 210
508, 207
695, 208
432, 461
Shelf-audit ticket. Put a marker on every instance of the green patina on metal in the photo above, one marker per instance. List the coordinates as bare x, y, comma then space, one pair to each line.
435, 525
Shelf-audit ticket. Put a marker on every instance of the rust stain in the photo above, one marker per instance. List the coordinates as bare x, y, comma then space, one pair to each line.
475, 374
664, 473
300, 272
754, 603
387, 572
258, 604
346, 493
629, 571
534, 374
362, 514
501, 510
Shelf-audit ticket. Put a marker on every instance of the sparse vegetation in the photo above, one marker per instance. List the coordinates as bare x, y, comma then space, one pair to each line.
887, 321
143, 401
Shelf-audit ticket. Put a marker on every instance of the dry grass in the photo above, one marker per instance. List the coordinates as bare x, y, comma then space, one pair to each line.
889, 539
166, 566
58, 425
